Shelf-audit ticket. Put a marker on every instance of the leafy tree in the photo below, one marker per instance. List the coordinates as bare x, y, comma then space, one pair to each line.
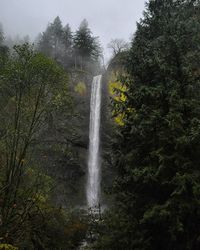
29, 92
117, 46
157, 149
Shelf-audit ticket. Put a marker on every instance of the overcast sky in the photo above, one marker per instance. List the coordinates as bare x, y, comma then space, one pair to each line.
107, 18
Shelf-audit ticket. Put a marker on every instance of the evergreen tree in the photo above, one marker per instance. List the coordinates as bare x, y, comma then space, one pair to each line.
67, 39
86, 47
1, 34
3, 49
157, 150
57, 28
51, 41
56, 42
44, 43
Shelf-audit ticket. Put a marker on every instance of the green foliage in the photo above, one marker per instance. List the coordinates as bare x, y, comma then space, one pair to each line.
85, 45
81, 50
55, 229
33, 88
80, 88
157, 149
7, 247
3, 49
42, 153
1, 34
56, 42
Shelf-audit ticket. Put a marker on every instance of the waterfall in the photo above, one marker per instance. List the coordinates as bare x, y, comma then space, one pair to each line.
93, 182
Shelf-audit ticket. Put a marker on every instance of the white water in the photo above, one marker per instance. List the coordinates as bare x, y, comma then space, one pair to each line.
93, 183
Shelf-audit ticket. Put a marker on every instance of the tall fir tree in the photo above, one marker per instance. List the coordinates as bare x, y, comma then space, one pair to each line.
1, 34
86, 46
157, 149
3, 49
67, 39
51, 41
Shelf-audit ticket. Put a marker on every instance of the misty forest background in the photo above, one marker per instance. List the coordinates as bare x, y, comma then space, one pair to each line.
150, 135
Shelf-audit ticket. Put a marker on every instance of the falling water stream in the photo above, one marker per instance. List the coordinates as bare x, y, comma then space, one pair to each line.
93, 182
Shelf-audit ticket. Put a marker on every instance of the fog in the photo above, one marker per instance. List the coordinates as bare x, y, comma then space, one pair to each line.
107, 18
